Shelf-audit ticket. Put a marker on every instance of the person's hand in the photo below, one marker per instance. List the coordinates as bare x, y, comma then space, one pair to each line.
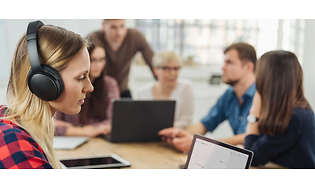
92, 131
178, 138
256, 105
60, 123
104, 128
240, 146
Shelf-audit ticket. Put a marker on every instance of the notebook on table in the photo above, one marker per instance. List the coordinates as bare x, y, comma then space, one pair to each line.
68, 142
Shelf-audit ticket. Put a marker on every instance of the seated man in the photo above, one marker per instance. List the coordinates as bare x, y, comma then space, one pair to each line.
233, 105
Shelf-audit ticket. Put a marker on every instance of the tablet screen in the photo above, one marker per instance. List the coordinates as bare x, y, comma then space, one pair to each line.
89, 161
207, 153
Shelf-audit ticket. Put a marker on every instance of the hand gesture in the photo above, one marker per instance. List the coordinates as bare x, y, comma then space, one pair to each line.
92, 131
178, 138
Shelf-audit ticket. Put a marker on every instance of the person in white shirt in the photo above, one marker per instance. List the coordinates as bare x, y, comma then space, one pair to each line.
166, 66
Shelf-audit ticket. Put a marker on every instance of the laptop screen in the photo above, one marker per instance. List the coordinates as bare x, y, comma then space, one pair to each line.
207, 153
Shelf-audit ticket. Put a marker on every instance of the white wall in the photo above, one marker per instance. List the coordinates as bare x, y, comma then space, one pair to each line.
309, 61
12, 29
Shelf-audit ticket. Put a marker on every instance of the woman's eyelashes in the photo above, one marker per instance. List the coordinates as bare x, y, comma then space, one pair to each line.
81, 78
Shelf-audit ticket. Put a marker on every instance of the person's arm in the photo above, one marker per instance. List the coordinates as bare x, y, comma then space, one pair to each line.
267, 147
146, 51
234, 140
20, 151
216, 114
197, 128
181, 139
176, 137
61, 126
186, 108
88, 130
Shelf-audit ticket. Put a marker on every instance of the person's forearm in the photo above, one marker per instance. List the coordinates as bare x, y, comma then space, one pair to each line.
197, 128
78, 131
234, 140
75, 131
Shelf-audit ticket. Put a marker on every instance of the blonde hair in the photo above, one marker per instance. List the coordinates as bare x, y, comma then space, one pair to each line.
57, 46
162, 58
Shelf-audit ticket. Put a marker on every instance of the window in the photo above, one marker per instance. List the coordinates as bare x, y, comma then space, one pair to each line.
203, 39
206, 39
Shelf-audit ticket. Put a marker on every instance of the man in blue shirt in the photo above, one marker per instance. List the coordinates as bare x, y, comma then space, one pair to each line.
233, 105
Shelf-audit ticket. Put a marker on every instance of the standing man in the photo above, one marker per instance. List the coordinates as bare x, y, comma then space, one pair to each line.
233, 105
121, 44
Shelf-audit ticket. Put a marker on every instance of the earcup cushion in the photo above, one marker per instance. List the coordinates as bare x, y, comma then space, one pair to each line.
47, 85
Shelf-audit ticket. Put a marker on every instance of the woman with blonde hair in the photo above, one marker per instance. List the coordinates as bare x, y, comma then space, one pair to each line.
49, 72
166, 66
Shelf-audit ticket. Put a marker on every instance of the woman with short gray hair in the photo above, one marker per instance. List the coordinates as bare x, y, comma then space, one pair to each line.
166, 66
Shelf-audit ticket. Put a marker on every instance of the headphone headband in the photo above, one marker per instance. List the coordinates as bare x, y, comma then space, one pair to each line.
43, 80
31, 37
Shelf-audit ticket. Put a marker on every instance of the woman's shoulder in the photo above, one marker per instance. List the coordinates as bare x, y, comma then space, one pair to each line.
303, 115
7, 127
18, 149
303, 112
184, 83
110, 80
145, 92
302, 118
146, 88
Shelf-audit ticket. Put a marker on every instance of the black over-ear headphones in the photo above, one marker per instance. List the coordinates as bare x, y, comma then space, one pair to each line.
43, 80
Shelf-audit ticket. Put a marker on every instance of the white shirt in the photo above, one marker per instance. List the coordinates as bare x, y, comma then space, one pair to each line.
182, 94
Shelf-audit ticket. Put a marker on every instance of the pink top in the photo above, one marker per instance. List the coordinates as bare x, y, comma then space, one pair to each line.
113, 93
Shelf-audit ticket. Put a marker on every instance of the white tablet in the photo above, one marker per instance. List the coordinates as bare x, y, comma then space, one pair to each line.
206, 153
95, 162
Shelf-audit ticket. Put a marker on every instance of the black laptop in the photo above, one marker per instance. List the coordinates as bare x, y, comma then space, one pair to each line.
140, 120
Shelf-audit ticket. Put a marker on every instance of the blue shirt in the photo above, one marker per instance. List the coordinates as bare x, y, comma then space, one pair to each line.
228, 107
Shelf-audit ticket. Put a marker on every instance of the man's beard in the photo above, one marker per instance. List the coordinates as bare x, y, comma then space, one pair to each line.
232, 82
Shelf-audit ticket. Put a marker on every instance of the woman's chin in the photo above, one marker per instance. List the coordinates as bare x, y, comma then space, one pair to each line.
171, 84
73, 111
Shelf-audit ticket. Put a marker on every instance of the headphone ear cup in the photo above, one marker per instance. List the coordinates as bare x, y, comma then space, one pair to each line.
46, 85
57, 77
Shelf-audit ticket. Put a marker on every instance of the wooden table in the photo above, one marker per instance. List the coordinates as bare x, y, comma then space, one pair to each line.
141, 155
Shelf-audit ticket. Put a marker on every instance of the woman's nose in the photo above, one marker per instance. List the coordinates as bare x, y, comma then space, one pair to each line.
89, 88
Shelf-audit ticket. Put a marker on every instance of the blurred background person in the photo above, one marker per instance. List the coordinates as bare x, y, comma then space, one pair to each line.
121, 45
281, 126
166, 66
234, 105
96, 114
